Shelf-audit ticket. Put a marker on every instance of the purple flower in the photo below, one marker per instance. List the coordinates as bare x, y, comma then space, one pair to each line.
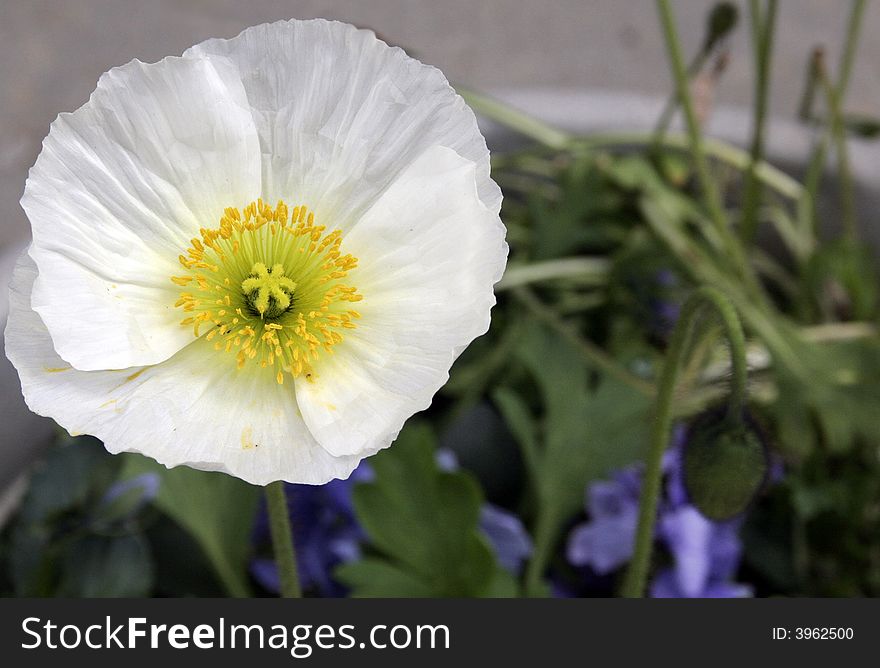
147, 485
665, 585
507, 536
140, 490
705, 554
606, 542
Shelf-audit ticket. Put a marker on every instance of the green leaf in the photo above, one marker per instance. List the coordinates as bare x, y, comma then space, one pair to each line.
588, 432
503, 585
586, 216
424, 522
845, 389
377, 578
796, 433
102, 567
842, 276
839, 396
633, 172
66, 478
31, 560
218, 510
521, 424
182, 569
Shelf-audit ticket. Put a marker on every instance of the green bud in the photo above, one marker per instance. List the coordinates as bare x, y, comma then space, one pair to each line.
725, 464
865, 127
722, 20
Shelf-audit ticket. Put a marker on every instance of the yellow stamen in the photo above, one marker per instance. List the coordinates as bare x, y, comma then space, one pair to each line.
278, 283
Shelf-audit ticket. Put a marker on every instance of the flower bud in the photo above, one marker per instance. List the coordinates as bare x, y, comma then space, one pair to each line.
725, 464
721, 22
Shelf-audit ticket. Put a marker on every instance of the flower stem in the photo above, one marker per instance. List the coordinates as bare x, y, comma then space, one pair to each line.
662, 126
762, 40
589, 270
546, 530
838, 132
711, 196
516, 120
637, 575
282, 539
723, 152
850, 42
817, 160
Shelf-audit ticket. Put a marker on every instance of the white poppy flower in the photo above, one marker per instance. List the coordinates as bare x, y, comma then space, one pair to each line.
172, 304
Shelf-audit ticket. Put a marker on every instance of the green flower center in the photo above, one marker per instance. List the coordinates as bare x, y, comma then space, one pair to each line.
281, 318
268, 293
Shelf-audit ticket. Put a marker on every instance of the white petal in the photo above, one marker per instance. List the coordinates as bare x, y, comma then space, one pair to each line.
340, 114
187, 410
429, 254
120, 187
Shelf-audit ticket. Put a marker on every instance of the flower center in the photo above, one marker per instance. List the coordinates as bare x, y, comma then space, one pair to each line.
268, 292
282, 317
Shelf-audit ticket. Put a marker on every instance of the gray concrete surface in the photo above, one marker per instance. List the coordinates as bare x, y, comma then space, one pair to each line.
52, 52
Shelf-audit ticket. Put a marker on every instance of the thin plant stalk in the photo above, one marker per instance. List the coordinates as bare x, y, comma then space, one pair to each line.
671, 105
838, 132
763, 27
850, 45
637, 574
820, 151
589, 270
516, 120
282, 540
711, 196
720, 151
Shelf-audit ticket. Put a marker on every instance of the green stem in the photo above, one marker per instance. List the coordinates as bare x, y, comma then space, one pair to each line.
282, 539
805, 108
725, 153
231, 578
838, 132
662, 126
637, 575
546, 530
808, 208
711, 196
515, 120
762, 41
591, 270
716, 149
839, 331
772, 328
850, 44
